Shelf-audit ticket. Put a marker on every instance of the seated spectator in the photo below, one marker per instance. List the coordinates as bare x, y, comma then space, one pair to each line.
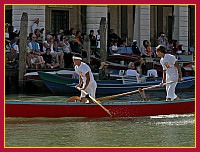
36, 61
50, 43
135, 48
114, 48
144, 47
148, 52
12, 59
103, 72
39, 38
78, 37
132, 70
34, 56
59, 36
60, 55
34, 46
15, 45
123, 44
50, 62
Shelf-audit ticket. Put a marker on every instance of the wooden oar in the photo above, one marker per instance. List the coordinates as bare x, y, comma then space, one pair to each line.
93, 99
130, 92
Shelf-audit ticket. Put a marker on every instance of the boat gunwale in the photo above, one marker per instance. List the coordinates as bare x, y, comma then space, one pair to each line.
105, 103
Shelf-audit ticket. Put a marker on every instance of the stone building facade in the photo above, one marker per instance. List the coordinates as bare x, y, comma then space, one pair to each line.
130, 22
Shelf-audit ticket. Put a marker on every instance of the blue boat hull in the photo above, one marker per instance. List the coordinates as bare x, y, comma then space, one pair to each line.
62, 85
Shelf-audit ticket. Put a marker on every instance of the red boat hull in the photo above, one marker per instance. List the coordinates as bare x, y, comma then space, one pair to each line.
55, 110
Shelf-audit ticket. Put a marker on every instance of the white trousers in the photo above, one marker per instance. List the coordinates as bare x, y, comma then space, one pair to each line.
91, 89
170, 89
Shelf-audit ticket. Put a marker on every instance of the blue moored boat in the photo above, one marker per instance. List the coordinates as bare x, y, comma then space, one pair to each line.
62, 85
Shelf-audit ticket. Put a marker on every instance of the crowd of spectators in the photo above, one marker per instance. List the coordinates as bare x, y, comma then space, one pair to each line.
56, 50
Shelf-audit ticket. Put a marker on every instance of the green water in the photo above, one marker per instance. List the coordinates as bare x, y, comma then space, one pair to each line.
173, 130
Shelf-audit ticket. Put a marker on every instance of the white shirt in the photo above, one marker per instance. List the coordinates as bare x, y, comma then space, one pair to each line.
51, 47
114, 48
35, 26
167, 63
16, 47
133, 73
66, 48
82, 70
6, 35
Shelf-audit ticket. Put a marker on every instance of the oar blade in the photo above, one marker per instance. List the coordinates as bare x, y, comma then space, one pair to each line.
73, 98
94, 100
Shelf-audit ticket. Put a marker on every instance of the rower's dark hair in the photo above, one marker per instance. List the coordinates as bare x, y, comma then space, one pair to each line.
77, 55
161, 48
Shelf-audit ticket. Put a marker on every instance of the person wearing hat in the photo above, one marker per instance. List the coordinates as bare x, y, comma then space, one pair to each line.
171, 72
135, 48
86, 78
103, 73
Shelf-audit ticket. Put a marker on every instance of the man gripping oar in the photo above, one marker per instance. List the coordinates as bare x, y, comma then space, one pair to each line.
171, 72
86, 78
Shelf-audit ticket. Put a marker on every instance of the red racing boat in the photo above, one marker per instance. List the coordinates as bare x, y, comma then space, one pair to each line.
53, 109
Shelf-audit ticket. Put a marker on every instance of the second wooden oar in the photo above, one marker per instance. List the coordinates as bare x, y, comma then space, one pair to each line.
130, 92
93, 99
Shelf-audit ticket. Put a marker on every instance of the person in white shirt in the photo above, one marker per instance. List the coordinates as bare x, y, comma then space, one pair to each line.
15, 45
36, 26
114, 48
132, 70
86, 78
171, 72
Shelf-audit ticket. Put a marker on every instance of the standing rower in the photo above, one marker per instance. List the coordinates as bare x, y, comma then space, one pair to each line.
86, 78
171, 72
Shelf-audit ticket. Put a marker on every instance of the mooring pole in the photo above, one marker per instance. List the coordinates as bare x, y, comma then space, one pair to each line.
87, 48
22, 48
103, 39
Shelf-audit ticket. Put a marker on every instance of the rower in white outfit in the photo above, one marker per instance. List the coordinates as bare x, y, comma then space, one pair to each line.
171, 72
86, 78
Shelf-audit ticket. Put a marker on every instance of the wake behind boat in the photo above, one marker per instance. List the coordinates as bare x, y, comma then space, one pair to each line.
56, 109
